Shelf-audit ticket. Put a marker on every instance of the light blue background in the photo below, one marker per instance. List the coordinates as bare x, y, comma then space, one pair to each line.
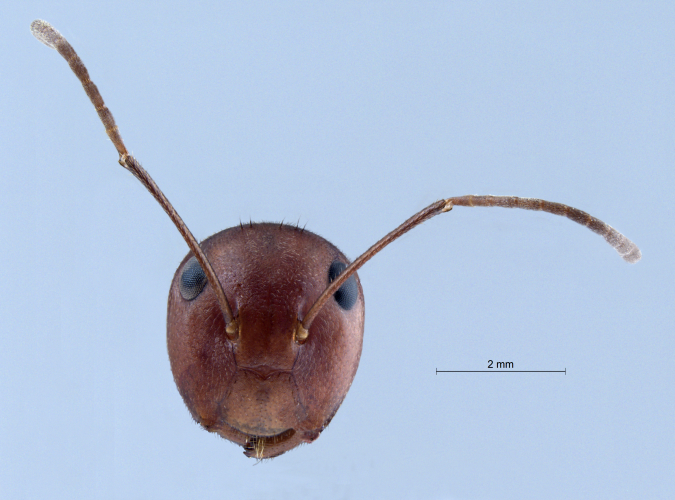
349, 116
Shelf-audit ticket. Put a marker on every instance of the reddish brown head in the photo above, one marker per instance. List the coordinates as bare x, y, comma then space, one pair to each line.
266, 351
265, 390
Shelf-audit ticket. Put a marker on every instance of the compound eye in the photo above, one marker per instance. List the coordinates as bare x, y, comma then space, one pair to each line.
193, 279
349, 291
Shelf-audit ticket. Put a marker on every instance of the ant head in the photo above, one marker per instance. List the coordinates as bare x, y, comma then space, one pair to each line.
265, 322
261, 386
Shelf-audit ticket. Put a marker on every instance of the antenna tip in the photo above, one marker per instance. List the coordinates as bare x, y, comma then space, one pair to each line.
45, 32
633, 255
626, 248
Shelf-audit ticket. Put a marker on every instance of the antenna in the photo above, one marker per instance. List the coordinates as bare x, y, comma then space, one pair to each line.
626, 248
45, 33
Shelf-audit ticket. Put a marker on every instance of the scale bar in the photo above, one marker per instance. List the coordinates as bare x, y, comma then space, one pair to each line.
501, 371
